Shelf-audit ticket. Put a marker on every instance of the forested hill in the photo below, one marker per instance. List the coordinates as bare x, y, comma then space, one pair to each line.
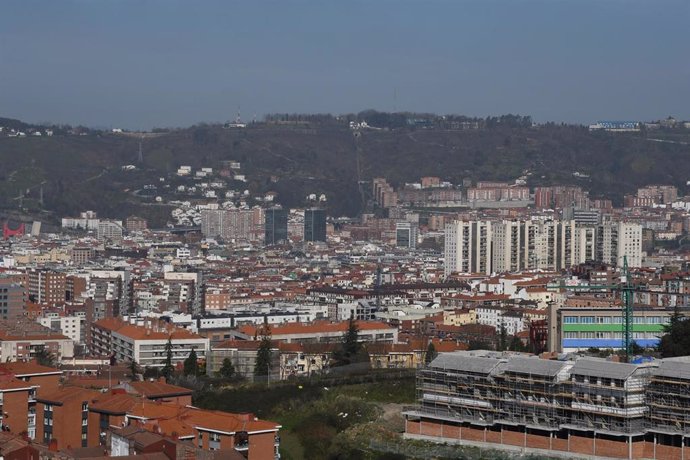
320, 154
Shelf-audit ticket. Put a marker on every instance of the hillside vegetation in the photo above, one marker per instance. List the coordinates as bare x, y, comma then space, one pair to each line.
80, 172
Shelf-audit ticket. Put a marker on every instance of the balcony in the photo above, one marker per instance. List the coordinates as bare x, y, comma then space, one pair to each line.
242, 446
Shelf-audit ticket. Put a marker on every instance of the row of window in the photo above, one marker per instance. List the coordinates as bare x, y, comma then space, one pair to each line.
608, 335
614, 320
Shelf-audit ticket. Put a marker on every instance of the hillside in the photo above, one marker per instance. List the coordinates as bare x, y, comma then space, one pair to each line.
80, 172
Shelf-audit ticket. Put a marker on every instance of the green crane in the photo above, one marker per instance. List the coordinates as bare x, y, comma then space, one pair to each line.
626, 290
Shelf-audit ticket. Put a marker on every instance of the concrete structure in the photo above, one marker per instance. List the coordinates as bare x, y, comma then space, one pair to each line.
325, 331
146, 345
12, 298
233, 224
601, 327
47, 286
515, 245
587, 408
276, 226
406, 235
314, 225
109, 230
70, 326
22, 340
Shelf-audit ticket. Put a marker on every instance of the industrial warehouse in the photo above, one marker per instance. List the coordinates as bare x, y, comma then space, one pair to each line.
582, 407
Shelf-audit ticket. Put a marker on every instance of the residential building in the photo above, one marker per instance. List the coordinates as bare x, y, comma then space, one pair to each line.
146, 345
586, 408
325, 331
233, 224
109, 230
12, 298
70, 326
62, 417
243, 354
47, 286
21, 340
210, 430
468, 247
515, 245
135, 224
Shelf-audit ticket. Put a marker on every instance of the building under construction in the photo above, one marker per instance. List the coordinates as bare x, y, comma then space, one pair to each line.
586, 407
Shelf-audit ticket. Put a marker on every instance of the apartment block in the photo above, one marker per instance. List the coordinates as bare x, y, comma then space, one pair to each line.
590, 408
12, 298
47, 286
63, 417
515, 245
144, 344
233, 224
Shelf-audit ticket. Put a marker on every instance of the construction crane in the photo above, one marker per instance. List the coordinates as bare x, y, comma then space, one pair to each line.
626, 290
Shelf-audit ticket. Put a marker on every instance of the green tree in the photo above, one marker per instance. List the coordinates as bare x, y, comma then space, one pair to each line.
503, 339
191, 364
516, 344
134, 371
262, 366
227, 370
636, 349
168, 368
151, 373
476, 344
676, 338
431, 353
45, 358
350, 348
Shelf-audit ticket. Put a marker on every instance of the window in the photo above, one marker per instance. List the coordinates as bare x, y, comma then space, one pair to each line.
570, 320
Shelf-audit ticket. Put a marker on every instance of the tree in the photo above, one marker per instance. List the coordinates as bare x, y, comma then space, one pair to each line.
350, 348
516, 344
134, 371
503, 339
262, 367
45, 358
676, 338
151, 373
191, 364
431, 353
476, 344
227, 370
636, 349
168, 368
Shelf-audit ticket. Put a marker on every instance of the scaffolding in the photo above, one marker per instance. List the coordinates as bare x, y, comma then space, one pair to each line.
459, 388
534, 393
608, 397
668, 398
510, 390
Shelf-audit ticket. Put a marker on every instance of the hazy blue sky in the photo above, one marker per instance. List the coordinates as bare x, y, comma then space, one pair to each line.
139, 64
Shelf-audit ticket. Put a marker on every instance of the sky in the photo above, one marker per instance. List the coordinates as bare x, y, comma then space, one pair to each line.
169, 63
